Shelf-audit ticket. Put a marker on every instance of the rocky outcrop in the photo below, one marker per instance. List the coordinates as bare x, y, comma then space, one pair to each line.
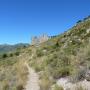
88, 75
38, 40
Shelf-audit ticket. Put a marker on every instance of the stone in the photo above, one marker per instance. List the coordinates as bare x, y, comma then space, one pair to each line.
88, 75
38, 40
88, 30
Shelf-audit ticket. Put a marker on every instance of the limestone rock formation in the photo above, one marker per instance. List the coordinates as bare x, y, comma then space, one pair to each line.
38, 40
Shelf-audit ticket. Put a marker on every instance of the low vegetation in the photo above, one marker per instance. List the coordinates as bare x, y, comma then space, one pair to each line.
56, 87
13, 73
65, 55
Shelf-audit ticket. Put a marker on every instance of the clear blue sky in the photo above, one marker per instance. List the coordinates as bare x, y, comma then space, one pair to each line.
21, 19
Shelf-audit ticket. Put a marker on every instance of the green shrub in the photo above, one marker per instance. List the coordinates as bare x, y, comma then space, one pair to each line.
6, 86
39, 53
59, 65
4, 55
79, 21
78, 75
56, 87
61, 72
11, 55
45, 82
20, 87
17, 53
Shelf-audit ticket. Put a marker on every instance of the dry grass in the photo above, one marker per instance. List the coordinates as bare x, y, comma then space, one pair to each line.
13, 74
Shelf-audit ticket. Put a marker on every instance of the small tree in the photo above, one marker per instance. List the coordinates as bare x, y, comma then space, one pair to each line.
4, 55
20, 87
17, 53
88, 17
11, 54
79, 21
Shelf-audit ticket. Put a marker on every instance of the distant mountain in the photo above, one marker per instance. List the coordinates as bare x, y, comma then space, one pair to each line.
4, 48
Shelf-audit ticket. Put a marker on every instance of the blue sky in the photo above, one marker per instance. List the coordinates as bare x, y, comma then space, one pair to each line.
22, 19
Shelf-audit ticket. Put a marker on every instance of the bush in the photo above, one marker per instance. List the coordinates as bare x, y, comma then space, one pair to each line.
61, 72
4, 55
17, 53
45, 82
39, 53
6, 86
78, 75
11, 54
79, 21
20, 87
59, 66
56, 87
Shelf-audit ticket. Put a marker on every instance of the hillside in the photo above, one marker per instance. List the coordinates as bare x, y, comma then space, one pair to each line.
66, 55
61, 62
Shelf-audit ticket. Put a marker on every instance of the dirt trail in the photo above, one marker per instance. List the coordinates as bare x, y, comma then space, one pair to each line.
33, 80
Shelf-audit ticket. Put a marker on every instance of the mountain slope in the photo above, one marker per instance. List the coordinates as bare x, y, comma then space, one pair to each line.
66, 55
8, 48
63, 57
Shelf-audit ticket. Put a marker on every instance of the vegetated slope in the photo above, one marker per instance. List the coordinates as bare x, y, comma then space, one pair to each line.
65, 55
13, 72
